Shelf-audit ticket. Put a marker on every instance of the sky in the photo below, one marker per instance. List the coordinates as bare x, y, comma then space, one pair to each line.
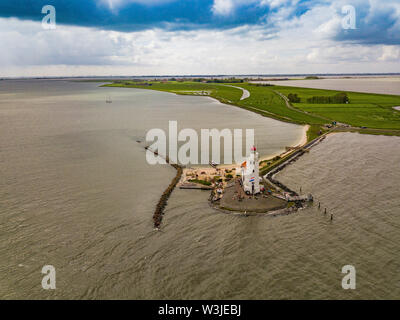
199, 37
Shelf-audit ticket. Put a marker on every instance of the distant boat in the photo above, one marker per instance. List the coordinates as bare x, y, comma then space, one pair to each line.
108, 100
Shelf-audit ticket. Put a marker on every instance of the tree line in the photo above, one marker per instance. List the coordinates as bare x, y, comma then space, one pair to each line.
338, 98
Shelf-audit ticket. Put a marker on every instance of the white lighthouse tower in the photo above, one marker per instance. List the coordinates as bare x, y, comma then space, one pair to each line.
250, 173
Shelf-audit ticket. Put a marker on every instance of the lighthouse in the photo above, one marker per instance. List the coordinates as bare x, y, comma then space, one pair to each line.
250, 173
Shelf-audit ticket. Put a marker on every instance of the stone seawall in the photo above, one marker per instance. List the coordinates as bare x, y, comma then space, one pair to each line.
162, 203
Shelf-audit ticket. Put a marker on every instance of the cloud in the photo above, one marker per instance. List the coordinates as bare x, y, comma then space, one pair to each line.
115, 4
29, 45
199, 37
227, 7
390, 53
299, 47
223, 7
133, 15
378, 22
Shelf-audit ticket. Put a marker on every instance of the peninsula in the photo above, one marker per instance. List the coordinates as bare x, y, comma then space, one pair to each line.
320, 111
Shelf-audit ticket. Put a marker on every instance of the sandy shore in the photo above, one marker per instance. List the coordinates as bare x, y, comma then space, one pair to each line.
301, 143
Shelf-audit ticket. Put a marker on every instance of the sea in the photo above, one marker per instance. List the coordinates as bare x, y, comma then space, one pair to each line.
77, 193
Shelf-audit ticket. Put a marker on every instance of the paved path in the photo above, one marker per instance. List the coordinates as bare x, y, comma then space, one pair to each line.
246, 93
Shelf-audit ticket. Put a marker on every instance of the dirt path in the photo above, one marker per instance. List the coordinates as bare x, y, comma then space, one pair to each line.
295, 109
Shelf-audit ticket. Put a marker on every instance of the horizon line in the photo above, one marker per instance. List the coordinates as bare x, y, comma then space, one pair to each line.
201, 76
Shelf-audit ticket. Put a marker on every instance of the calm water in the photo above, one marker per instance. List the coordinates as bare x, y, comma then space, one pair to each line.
389, 85
357, 178
77, 193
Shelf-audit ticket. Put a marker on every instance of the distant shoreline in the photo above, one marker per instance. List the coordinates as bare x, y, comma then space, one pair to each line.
158, 77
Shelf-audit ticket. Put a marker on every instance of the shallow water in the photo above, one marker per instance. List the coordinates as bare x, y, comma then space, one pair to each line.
77, 193
356, 177
369, 85
299, 256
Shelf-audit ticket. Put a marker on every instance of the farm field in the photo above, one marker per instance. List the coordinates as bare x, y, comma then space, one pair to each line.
364, 109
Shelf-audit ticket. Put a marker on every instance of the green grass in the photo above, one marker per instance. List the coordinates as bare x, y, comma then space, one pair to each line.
223, 93
313, 132
364, 109
374, 111
265, 99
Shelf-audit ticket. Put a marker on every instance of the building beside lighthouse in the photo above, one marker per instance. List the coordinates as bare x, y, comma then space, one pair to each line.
250, 173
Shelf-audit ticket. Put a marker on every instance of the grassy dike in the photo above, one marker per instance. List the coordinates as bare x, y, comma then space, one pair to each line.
373, 111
